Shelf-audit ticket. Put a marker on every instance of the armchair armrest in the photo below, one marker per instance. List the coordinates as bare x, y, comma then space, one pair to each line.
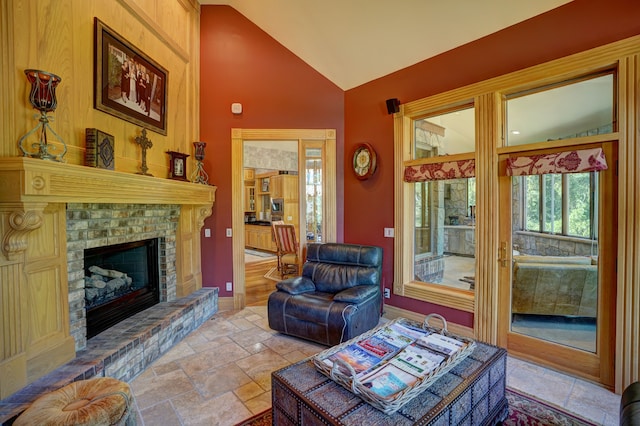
357, 294
296, 285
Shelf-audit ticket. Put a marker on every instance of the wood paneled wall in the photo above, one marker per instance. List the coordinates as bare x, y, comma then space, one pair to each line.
58, 36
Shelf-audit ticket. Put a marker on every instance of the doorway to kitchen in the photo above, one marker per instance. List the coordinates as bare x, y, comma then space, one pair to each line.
270, 173
304, 196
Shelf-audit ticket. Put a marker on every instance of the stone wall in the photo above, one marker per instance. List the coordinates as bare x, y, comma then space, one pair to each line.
96, 225
265, 159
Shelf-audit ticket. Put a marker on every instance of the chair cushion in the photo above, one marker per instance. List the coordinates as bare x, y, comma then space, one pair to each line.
333, 278
357, 294
296, 285
310, 307
102, 401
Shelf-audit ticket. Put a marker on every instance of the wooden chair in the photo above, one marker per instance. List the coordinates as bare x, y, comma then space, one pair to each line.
273, 235
287, 249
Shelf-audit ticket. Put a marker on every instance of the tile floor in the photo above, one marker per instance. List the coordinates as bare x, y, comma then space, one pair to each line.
221, 374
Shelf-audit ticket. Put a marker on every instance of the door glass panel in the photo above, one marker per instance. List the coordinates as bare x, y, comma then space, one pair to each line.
444, 134
568, 110
313, 179
444, 233
554, 290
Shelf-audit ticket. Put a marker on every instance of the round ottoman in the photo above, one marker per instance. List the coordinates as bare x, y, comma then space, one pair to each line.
99, 401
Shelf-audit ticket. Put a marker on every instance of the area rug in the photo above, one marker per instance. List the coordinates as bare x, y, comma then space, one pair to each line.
273, 275
258, 253
524, 410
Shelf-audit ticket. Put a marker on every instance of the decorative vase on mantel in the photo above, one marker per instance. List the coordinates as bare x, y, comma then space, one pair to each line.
199, 175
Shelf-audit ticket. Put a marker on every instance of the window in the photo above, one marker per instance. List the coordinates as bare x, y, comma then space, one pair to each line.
524, 113
569, 109
313, 193
562, 204
443, 222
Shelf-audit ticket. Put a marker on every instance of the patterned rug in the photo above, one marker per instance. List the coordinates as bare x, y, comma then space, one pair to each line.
259, 253
523, 411
273, 275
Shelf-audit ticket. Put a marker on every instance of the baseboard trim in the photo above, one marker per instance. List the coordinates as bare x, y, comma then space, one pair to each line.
226, 303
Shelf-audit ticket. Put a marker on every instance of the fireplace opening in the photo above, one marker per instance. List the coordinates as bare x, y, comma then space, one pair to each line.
120, 280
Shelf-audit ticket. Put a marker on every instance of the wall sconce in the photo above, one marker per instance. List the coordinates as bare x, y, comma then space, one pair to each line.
199, 175
43, 98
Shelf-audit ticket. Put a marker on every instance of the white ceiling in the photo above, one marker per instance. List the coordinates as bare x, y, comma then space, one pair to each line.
352, 42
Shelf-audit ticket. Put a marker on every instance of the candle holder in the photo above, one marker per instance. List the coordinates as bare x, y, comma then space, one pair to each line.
43, 98
199, 175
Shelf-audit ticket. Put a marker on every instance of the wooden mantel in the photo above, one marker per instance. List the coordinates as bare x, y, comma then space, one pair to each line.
25, 179
34, 329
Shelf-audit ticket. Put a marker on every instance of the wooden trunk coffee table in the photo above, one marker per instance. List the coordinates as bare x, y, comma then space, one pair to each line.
471, 393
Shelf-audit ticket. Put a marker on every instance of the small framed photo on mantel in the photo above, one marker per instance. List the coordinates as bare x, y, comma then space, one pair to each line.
178, 165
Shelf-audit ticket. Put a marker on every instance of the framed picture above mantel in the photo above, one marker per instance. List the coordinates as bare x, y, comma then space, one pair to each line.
127, 83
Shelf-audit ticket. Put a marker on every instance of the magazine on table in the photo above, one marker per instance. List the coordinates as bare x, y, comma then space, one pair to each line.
358, 358
388, 380
392, 335
417, 360
441, 343
380, 345
407, 330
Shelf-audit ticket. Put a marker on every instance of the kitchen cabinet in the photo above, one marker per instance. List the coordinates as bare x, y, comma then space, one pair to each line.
249, 198
284, 186
249, 190
249, 174
259, 237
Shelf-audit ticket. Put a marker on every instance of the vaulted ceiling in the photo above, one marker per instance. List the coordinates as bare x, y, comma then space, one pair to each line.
352, 42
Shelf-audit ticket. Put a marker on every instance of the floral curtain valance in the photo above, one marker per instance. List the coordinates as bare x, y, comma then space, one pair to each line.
440, 171
585, 160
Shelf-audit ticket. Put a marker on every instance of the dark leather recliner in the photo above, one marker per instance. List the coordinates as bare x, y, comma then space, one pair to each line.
630, 405
336, 298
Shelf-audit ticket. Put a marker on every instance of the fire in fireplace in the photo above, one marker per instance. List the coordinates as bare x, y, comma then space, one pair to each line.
120, 280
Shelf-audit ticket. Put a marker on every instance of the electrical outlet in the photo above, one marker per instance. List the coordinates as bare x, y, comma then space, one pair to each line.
388, 232
229, 232
229, 286
387, 293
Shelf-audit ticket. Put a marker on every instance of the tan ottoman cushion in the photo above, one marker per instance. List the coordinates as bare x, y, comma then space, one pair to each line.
99, 401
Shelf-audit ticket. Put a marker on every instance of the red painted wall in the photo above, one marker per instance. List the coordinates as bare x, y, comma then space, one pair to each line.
368, 206
241, 63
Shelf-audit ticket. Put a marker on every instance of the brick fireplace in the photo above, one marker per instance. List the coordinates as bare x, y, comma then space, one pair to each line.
50, 212
93, 225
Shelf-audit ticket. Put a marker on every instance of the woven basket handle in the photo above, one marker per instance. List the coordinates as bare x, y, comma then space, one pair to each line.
440, 317
335, 372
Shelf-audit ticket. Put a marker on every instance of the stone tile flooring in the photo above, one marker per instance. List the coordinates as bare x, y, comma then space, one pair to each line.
220, 374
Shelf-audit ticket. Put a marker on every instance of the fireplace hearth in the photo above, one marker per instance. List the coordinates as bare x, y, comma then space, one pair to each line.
120, 281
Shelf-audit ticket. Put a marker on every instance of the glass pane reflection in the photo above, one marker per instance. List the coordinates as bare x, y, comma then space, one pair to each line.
444, 134
444, 233
313, 192
572, 110
554, 289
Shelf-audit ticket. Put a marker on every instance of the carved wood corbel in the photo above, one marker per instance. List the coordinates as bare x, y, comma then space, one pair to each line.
203, 212
22, 221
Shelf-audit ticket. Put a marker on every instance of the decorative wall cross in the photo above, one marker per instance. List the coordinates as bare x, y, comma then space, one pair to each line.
145, 144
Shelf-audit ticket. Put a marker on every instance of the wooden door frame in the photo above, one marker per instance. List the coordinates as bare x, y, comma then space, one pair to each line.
238, 137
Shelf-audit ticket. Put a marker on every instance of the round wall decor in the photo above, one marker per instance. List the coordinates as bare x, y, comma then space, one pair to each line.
364, 161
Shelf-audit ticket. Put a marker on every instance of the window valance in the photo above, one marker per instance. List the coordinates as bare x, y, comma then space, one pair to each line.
585, 160
440, 171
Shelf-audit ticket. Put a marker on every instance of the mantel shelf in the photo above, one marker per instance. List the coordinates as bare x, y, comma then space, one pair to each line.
24, 179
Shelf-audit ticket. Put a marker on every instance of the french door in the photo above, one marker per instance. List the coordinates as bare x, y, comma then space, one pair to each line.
557, 267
